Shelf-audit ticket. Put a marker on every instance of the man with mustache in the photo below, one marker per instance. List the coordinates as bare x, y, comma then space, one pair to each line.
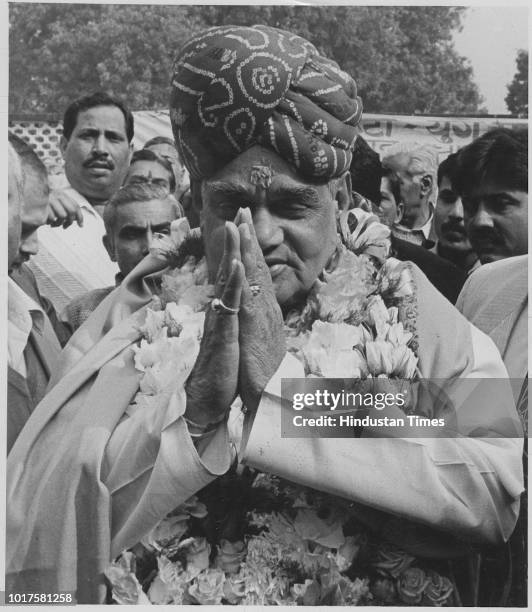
453, 243
492, 180
96, 147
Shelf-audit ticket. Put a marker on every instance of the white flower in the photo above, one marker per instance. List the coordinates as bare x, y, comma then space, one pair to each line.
347, 553
397, 335
330, 350
327, 533
187, 285
153, 325
197, 554
166, 364
379, 357
396, 278
345, 291
208, 587
169, 585
234, 589
230, 556
404, 362
126, 588
363, 233
170, 529
378, 315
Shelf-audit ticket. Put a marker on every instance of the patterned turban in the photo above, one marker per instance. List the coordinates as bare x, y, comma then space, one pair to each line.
234, 87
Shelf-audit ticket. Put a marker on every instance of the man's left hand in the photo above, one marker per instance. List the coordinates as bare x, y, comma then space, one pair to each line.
261, 334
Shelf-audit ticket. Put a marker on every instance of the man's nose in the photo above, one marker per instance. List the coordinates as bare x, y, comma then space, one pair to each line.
267, 228
457, 210
100, 145
30, 245
482, 219
147, 242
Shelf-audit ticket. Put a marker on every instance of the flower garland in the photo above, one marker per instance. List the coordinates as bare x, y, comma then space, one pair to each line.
272, 542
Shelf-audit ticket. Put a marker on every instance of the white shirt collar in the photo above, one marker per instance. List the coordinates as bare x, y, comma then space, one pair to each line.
80, 199
24, 314
408, 234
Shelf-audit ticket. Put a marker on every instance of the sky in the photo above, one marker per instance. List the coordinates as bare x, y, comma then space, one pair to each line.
490, 39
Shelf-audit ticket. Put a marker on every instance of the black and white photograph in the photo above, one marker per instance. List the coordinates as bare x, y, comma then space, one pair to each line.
267, 304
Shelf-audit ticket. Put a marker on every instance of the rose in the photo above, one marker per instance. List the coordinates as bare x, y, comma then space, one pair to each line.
234, 589
411, 584
208, 587
153, 324
307, 594
363, 233
161, 593
126, 588
197, 554
392, 561
343, 295
347, 552
329, 350
396, 278
437, 590
384, 590
193, 507
326, 532
230, 556
170, 529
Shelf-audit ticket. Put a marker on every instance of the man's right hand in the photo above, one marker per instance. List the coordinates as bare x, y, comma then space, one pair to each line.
212, 384
63, 211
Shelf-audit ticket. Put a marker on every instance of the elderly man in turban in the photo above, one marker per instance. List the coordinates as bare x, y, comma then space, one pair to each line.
136, 420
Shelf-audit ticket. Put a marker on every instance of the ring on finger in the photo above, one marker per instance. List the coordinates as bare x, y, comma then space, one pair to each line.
255, 290
218, 306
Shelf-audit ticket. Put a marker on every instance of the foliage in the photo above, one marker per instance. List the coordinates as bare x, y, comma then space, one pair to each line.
402, 58
517, 98
59, 52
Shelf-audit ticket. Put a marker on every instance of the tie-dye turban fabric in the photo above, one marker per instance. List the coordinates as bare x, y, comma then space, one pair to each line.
238, 86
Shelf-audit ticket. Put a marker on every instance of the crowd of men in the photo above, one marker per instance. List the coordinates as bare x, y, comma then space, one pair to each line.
463, 222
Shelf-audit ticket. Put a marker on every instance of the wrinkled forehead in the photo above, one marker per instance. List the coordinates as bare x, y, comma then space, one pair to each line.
149, 211
106, 117
146, 166
257, 168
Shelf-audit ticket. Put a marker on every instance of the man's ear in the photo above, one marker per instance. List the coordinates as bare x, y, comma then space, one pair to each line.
108, 243
63, 142
399, 210
343, 192
425, 185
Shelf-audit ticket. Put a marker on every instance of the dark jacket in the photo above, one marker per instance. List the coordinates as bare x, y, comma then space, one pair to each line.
444, 275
